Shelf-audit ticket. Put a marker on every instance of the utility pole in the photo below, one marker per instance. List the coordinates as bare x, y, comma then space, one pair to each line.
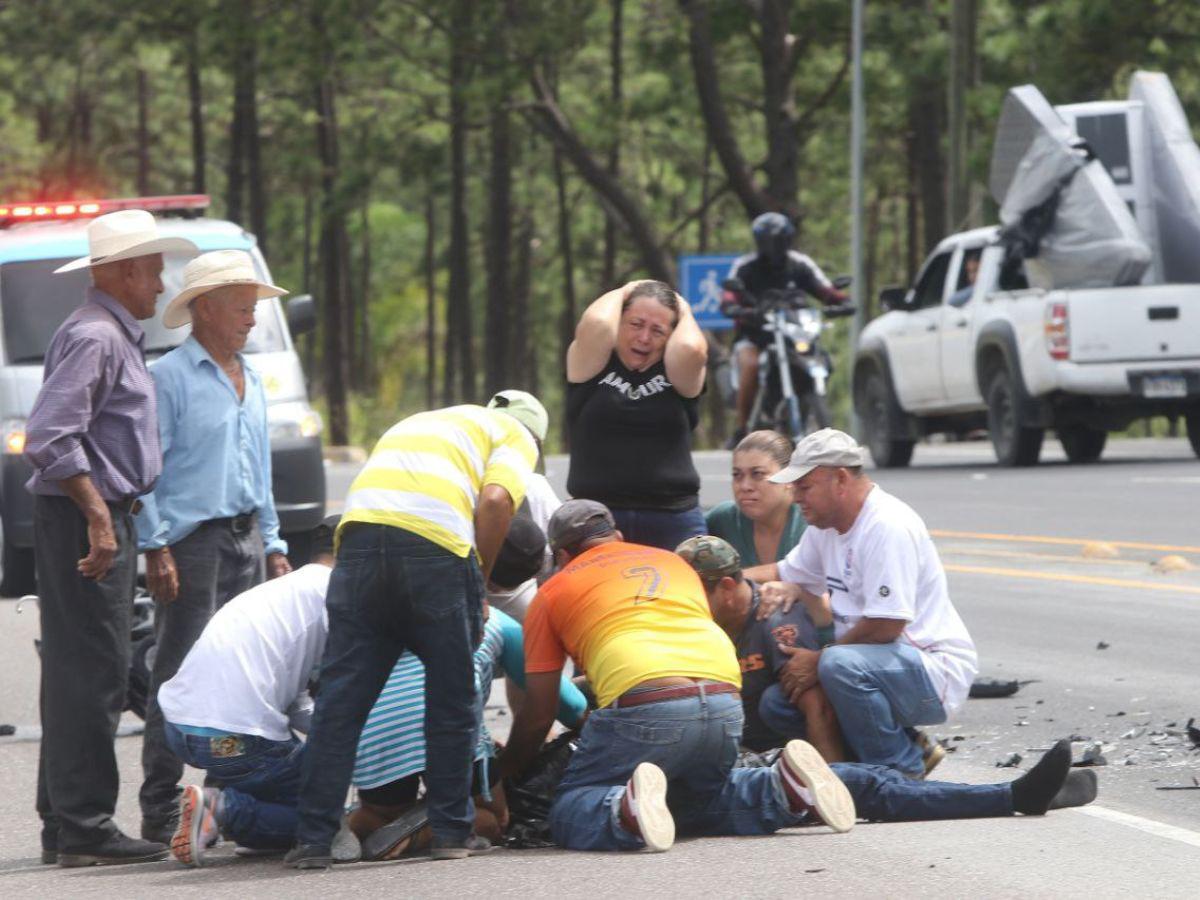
858, 127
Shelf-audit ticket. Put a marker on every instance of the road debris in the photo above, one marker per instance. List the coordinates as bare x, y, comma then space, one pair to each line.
1093, 755
1009, 762
991, 688
1193, 732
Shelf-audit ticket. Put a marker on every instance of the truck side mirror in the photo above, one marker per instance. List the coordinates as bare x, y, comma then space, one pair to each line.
301, 314
894, 298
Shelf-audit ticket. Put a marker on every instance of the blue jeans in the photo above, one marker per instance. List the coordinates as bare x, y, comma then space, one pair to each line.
659, 528
695, 742
878, 690
393, 591
885, 795
778, 714
259, 783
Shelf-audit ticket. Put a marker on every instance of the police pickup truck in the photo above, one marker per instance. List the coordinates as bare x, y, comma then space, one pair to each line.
35, 239
971, 345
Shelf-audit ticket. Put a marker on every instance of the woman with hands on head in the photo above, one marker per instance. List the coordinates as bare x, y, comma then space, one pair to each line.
634, 374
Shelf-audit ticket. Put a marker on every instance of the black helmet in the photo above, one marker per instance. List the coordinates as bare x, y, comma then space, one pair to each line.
773, 233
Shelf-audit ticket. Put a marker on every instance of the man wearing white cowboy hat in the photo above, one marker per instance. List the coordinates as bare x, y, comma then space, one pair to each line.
211, 518
92, 439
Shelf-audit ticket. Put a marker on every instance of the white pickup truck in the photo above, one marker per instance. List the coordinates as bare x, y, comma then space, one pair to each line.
951, 356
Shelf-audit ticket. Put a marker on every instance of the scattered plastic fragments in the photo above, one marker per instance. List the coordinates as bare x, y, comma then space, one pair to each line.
1009, 762
1193, 732
1093, 755
1103, 645
990, 688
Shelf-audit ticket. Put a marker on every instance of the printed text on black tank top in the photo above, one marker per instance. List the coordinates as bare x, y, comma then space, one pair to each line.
655, 385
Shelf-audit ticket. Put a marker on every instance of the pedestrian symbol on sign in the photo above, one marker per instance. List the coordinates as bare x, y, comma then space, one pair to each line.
700, 279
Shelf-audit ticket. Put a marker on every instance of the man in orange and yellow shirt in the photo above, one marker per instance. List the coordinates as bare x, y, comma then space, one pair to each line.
660, 750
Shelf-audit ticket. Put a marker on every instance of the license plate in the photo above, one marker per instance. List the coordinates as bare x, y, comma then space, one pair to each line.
1160, 387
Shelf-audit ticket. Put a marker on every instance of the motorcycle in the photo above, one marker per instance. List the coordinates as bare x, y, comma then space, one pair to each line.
794, 368
142, 644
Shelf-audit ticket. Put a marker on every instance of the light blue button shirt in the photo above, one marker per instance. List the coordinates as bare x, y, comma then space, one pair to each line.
216, 451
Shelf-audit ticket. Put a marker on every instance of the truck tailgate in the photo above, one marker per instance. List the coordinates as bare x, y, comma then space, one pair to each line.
1152, 324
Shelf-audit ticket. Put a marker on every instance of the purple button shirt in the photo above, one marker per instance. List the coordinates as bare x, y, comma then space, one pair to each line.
96, 411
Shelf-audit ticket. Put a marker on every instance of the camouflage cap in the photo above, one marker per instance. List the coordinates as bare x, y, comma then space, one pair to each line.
711, 557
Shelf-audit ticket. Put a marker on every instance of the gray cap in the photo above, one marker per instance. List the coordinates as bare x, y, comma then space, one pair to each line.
827, 447
577, 521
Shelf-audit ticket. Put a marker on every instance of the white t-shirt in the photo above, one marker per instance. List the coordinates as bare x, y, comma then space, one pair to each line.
886, 567
248, 672
543, 503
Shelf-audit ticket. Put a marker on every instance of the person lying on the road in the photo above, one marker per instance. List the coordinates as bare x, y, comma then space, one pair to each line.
235, 703
390, 762
660, 750
880, 793
903, 657
763, 648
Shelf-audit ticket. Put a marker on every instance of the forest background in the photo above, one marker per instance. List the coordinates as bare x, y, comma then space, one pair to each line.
454, 180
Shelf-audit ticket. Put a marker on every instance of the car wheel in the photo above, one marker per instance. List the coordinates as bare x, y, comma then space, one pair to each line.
1081, 443
880, 419
1193, 431
1015, 444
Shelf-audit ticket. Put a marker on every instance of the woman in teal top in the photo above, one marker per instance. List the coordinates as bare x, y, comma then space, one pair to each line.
762, 522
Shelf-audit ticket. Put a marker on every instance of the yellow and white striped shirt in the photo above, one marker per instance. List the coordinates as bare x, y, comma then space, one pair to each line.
427, 471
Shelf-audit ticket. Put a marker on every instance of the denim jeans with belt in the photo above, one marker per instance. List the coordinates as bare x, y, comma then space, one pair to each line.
879, 690
259, 781
694, 741
393, 590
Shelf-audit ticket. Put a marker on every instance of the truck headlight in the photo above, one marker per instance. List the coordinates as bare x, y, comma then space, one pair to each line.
13, 431
293, 420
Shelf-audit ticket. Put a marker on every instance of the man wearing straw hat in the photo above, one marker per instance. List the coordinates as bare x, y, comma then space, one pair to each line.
92, 439
211, 519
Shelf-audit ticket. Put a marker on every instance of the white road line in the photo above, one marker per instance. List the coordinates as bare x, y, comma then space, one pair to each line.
1150, 826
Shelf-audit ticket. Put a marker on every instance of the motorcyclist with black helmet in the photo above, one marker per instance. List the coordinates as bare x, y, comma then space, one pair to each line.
774, 265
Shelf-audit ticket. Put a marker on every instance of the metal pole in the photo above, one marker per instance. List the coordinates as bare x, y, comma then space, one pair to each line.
858, 129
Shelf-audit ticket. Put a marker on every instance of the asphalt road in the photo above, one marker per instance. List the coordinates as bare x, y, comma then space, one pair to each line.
1047, 566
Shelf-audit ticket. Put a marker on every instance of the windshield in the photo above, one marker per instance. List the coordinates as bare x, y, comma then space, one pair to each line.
34, 302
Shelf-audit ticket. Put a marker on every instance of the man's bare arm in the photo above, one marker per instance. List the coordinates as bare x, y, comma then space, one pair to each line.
874, 631
493, 513
532, 722
102, 540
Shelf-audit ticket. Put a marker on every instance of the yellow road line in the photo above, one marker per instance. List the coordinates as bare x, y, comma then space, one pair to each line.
1077, 579
1072, 542
960, 550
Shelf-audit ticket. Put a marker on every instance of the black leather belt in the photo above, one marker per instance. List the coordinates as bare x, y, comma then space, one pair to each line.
239, 524
131, 505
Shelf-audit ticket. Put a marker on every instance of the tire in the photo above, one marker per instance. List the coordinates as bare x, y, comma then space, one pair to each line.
1081, 443
19, 572
1193, 431
138, 688
1015, 444
880, 419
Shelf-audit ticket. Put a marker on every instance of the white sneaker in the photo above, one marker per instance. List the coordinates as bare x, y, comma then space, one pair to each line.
644, 808
810, 784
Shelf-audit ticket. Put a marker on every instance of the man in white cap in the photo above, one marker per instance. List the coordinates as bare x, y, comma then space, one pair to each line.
209, 529
92, 439
902, 656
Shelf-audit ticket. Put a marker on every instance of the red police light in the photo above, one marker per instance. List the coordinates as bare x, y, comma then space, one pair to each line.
75, 209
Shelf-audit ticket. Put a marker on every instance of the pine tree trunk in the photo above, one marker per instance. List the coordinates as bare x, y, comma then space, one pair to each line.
498, 253
566, 254
430, 301
196, 107
614, 153
252, 138
235, 185
329, 260
522, 353
143, 133
458, 337
783, 149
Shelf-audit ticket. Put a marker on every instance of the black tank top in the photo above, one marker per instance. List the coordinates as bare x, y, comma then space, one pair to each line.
631, 440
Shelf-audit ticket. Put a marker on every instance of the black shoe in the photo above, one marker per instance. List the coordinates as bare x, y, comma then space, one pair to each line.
474, 845
382, 841
308, 856
1080, 789
49, 844
160, 831
118, 850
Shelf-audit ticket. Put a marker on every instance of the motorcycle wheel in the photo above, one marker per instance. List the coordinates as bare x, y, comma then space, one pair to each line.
138, 689
814, 413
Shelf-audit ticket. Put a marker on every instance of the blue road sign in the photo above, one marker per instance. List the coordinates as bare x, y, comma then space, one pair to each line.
700, 278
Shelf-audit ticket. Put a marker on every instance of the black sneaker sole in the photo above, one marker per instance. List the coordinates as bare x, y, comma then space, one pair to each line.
80, 860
